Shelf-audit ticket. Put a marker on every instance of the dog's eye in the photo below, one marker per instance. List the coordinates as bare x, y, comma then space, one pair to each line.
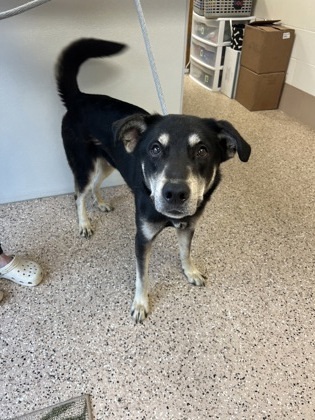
155, 150
202, 152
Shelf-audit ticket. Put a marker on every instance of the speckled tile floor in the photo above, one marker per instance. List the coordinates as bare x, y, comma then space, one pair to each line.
243, 347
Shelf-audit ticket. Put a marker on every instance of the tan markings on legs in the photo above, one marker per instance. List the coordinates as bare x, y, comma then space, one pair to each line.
101, 171
140, 306
191, 272
150, 230
85, 227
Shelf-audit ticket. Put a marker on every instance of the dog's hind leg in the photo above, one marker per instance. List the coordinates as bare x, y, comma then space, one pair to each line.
76, 150
101, 171
193, 275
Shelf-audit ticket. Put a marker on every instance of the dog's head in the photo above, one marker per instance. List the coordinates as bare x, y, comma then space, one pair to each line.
180, 156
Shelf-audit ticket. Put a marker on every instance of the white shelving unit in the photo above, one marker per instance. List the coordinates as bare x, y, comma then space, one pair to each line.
209, 39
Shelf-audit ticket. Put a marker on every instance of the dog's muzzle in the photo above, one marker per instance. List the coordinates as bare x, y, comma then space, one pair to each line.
174, 200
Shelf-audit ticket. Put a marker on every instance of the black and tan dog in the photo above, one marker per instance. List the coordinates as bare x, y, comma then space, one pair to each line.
171, 163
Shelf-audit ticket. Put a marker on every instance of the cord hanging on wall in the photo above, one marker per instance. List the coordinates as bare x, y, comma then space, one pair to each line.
150, 55
22, 8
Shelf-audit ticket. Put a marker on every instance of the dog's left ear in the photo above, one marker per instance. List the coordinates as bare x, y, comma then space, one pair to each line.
232, 142
129, 130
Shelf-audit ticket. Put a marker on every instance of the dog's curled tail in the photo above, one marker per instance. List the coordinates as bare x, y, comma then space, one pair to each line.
72, 57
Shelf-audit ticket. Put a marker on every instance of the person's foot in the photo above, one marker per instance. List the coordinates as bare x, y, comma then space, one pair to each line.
21, 271
4, 260
1, 295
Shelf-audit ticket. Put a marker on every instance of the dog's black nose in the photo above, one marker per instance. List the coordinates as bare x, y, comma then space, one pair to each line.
175, 192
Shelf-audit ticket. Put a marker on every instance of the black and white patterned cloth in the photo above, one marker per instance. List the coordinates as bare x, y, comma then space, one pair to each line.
237, 36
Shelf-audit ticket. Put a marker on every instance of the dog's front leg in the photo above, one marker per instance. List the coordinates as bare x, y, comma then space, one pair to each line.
140, 306
193, 275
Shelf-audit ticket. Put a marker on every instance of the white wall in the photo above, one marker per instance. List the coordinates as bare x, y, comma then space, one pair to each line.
32, 159
299, 15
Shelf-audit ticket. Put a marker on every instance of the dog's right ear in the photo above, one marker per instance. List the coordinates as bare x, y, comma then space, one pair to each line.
129, 129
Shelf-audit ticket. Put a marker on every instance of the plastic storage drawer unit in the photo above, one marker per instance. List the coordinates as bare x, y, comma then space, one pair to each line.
207, 54
209, 78
211, 30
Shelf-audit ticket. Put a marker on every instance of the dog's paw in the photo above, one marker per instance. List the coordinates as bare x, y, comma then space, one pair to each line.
139, 311
86, 231
105, 207
195, 277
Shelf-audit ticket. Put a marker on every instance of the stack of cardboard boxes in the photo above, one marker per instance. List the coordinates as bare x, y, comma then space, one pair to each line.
264, 61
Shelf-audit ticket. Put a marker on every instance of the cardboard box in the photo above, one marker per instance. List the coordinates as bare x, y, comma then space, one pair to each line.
267, 47
230, 72
259, 92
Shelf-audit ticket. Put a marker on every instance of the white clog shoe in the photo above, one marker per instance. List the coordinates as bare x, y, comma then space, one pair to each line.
22, 271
